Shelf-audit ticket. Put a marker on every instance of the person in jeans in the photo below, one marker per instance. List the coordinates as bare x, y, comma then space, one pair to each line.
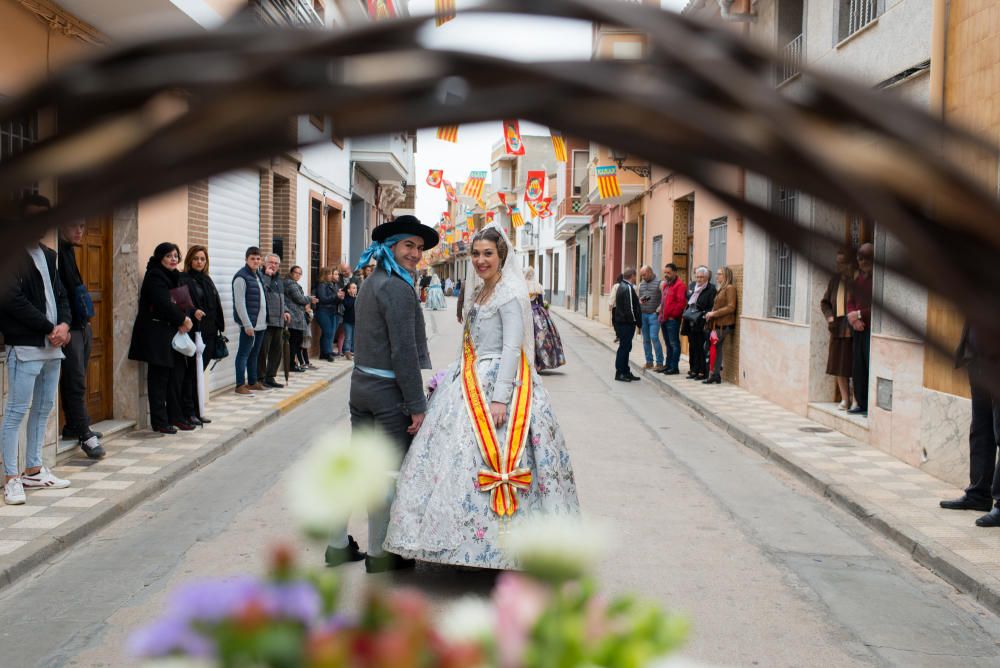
721, 320
649, 303
673, 301
349, 299
35, 320
250, 313
626, 316
329, 304
277, 317
73, 379
296, 302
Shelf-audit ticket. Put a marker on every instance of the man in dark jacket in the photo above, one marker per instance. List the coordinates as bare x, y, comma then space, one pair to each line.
626, 317
34, 318
73, 380
277, 317
250, 314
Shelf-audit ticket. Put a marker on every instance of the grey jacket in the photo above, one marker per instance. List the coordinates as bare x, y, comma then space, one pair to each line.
650, 290
389, 335
295, 303
274, 295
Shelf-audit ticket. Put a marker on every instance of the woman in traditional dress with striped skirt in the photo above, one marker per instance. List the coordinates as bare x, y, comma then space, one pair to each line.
490, 452
549, 353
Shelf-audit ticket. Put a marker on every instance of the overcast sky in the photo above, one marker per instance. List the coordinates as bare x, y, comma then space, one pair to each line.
522, 38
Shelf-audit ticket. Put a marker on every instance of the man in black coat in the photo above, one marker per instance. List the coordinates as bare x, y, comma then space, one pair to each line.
73, 380
34, 318
626, 316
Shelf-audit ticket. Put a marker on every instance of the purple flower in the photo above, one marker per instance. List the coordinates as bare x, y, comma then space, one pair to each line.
169, 636
214, 600
435, 381
294, 600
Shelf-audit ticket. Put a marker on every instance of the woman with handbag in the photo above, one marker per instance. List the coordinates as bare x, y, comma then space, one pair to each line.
296, 302
209, 321
329, 308
158, 321
701, 296
720, 321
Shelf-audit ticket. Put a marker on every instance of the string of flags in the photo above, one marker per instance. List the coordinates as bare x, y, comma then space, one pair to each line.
512, 137
559, 146
434, 178
381, 9
516, 219
448, 133
474, 186
607, 182
449, 191
534, 188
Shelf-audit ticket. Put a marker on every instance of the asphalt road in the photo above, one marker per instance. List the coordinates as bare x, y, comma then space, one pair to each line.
769, 573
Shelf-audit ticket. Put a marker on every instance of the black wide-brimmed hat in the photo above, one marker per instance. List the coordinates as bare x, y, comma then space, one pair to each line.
410, 226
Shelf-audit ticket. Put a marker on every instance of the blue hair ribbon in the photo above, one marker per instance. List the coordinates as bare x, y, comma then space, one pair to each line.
381, 252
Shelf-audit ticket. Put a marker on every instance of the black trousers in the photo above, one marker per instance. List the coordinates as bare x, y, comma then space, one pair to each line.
189, 385
270, 353
697, 361
861, 344
625, 335
163, 384
295, 337
984, 442
73, 381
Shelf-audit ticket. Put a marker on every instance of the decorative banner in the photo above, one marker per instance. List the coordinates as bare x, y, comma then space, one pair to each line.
534, 189
559, 146
515, 217
434, 178
512, 138
449, 191
481, 204
447, 132
543, 209
381, 9
474, 186
445, 11
446, 218
470, 221
490, 215
607, 182
503, 200
532, 209
466, 236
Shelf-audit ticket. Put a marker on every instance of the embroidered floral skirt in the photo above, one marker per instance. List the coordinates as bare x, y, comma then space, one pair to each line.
549, 353
439, 514
435, 298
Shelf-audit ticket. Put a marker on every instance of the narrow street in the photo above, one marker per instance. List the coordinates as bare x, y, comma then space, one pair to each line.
769, 573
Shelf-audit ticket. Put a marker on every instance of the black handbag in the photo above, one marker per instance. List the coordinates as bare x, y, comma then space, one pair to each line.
692, 314
221, 349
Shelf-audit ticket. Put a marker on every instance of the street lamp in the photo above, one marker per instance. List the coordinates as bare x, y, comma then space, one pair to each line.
620, 158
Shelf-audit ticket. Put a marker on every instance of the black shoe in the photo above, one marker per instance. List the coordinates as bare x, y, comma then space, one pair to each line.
632, 376
858, 410
297, 369
167, 429
81, 437
204, 420
965, 503
194, 421
387, 562
691, 376
713, 380
990, 519
624, 379
270, 382
671, 372
96, 452
184, 426
335, 556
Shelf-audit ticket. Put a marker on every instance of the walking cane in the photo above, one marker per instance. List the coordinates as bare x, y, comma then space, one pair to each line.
286, 354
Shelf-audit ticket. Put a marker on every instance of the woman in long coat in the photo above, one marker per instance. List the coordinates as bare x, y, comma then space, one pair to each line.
156, 323
840, 358
295, 303
208, 319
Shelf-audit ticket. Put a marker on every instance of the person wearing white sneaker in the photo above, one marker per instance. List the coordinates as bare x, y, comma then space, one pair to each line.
44, 479
34, 319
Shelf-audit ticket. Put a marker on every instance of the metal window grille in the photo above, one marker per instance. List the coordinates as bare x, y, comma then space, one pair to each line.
856, 14
287, 12
15, 136
781, 279
791, 60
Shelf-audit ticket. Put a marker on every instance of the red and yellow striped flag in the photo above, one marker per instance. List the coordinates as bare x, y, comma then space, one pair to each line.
559, 146
448, 133
445, 11
607, 182
516, 219
474, 186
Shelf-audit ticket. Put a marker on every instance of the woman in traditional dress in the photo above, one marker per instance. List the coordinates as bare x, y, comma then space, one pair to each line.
549, 352
490, 452
435, 294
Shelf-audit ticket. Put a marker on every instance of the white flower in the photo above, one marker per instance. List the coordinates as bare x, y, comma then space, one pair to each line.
341, 473
469, 619
554, 547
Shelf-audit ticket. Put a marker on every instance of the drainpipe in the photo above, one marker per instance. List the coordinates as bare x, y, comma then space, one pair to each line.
939, 37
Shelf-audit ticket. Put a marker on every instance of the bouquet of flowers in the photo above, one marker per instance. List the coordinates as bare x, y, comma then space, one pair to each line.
433, 383
550, 616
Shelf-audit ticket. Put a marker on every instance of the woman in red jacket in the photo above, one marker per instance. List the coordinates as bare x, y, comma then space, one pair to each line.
671, 308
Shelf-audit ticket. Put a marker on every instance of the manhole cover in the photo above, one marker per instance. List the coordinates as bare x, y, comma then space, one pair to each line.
815, 430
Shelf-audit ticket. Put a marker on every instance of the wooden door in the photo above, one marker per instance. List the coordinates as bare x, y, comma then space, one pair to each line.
333, 237
94, 260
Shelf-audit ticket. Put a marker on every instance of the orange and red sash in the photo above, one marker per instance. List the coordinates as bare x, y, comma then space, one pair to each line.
503, 477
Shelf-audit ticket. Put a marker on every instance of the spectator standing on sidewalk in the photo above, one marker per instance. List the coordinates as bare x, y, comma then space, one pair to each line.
673, 301
296, 302
626, 316
35, 321
839, 360
859, 315
700, 299
349, 299
250, 313
277, 317
649, 302
721, 320
328, 309
211, 324
73, 377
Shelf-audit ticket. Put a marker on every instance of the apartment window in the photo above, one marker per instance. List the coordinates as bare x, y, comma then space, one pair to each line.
580, 161
781, 273
717, 231
17, 135
790, 39
315, 239
853, 15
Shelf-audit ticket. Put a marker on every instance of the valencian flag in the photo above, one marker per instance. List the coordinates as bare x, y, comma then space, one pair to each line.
503, 200
434, 178
481, 204
449, 191
381, 9
470, 222
607, 182
445, 219
535, 187
559, 145
445, 11
512, 138
448, 133
543, 208
468, 235
516, 219
474, 186
532, 209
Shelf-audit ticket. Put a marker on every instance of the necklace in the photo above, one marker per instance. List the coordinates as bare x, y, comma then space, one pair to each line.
487, 292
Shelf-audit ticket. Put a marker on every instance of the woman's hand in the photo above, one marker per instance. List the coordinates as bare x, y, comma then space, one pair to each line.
186, 326
498, 412
199, 314
710, 314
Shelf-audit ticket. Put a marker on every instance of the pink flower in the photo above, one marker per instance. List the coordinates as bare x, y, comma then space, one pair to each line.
480, 533
535, 439
519, 603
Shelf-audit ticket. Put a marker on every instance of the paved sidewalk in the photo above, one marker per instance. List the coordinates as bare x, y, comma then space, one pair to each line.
896, 499
138, 465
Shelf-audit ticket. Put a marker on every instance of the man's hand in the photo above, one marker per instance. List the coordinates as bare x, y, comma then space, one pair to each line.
852, 317
287, 317
315, 300
248, 331
499, 413
416, 420
199, 314
186, 326
59, 336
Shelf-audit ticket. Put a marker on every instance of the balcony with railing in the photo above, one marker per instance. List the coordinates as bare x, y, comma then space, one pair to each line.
570, 217
287, 13
791, 61
855, 15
